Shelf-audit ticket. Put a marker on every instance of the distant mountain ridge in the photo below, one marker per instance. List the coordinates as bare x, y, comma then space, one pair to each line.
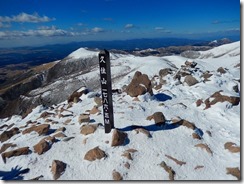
34, 56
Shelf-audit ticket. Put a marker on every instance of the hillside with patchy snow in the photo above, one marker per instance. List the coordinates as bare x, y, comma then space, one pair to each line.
178, 121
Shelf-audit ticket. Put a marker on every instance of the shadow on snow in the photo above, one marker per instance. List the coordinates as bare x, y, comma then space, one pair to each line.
14, 174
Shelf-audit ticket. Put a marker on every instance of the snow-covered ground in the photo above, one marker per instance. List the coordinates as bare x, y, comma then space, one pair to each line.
174, 100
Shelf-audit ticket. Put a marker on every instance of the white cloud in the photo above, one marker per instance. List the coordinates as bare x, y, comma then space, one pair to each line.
128, 26
24, 17
40, 32
162, 30
47, 28
97, 30
159, 28
4, 25
80, 24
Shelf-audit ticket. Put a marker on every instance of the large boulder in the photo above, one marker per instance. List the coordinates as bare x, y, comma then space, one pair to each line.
95, 153
190, 80
8, 134
58, 168
139, 85
118, 138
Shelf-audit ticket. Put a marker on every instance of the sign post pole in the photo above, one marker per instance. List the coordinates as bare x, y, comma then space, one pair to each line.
106, 90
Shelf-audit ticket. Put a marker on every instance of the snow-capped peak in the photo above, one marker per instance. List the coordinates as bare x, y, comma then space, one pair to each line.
83, 53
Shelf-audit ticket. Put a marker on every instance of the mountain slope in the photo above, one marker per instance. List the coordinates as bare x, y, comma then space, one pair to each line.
197, 153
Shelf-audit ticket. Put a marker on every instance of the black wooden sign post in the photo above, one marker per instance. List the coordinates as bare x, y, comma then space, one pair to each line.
106, 90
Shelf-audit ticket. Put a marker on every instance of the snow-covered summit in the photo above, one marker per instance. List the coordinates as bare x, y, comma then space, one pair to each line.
83, 53
231, 49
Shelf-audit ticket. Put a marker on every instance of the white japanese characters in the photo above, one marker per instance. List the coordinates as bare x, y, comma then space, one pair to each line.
106, 91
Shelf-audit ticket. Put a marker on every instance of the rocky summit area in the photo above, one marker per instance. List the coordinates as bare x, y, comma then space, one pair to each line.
175, 118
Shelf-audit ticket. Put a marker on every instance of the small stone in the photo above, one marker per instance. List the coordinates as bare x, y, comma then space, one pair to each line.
127, 155
196, 136
16, 152
221, 70
6, 146
95, 153
234, 172
199, 102
117, 176
94, 110
67, 121
159, 118
58, 168
98, 101
127, 165
8, 134
118, 138
190, 80
59, 135
83, 118
41, 147
62, 129
41, 129
88, 129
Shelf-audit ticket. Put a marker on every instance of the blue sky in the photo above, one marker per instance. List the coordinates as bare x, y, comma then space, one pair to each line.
38, 22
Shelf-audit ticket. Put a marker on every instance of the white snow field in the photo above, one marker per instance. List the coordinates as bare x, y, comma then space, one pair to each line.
216, 125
